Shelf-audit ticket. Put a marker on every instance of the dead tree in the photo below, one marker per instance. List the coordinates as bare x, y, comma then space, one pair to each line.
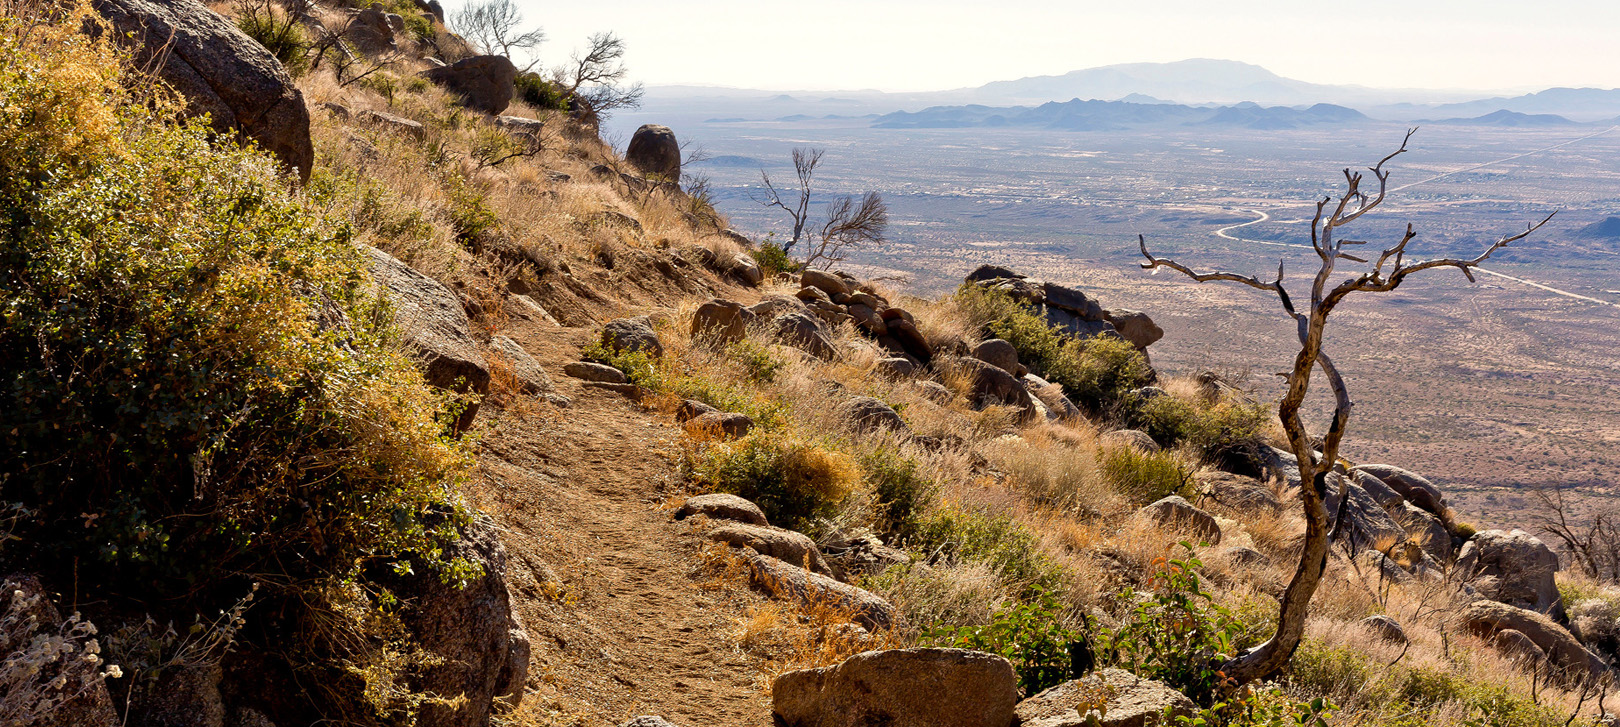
849, 224
1593, 542
594, 79
805, 161
1390, 270
492, 28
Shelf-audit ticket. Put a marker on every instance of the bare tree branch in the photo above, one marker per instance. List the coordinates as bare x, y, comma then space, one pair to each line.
850, 224
492, 28
1314, 468
805, 161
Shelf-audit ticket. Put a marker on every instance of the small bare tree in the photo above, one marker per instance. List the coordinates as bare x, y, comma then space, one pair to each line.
492, 28
849, 224
1593, 542
595, 78
805, 161
1385, 275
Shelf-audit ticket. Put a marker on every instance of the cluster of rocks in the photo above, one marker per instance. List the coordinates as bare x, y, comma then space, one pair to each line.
1070, 310
936, 687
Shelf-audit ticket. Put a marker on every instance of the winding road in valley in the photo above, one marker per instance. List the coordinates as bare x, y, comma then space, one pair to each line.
1263, 216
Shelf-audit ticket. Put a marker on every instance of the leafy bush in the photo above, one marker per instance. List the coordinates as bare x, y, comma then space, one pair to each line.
278, 32
1262, 706
534, 90
1145, 476
199, 388
1032, 636
1178, 634
901, 491
773, 259
685, 382
997, 541
757, 360
1411, 694
793, 481
1213, 429
1097, 373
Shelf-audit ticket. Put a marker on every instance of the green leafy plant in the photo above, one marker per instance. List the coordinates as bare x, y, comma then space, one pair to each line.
773, 259
1261, 706
278, 32
1030, 634
901, 491
1145, 476
997, 541
1176, 634
534, 90
795, 482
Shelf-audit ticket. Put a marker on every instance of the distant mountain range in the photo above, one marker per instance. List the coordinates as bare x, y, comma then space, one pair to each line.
1080, 115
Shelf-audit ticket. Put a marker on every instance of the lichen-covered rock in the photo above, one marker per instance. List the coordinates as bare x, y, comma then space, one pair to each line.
654, 150
866, 414
1175, 513
792, 582
721, 506
1128, 438
900, 688
628, 335
1126, 700
481, 645
219, 71
784, 545
998, 353
721, 321
1487, 618
435, 328
528, 373
992, 386
484, 83
804, 332
1417, 489
1513, 567
591, 371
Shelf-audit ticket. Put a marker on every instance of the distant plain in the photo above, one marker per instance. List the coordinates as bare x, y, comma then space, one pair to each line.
1489, 388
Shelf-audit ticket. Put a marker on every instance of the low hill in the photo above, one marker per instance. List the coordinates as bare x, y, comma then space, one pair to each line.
1507, 118
1607, 229
1093, 115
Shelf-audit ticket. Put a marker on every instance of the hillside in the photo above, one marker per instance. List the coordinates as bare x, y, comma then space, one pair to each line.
357, 380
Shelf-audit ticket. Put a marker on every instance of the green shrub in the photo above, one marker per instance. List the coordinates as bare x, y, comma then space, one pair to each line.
793, 481
675, 379
175, 416
279, 33
470, 213
997, 541
773, 259
384, 83
1178, 634
1262, 706
1145, 476
1032, 636
757, 359
900, 490
1097, 373
539, 93
1213, 429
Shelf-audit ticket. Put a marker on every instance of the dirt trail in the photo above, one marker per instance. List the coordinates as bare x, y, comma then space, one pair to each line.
621, 618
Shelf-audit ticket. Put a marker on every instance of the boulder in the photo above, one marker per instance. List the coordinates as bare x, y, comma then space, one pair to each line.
435, 328
747, 270
1386, 496
1487, 618
1051, 395
900, 688
935, 392
484, 83
868, 319
1515, 645
603, 373
1176, 514
1385, 628
1513, 567
1244, 555
1128, 438
897, 368
1365, 522
1425, 529
186, 695
806, 333
531, 130
792, 582
527, 371
632, 334
784, 545
730, 424
811, 293
1135, 327
830, 284
1127, 701
721, 321
859, 552
482, 648
721, 506
1074, 301
23, 599
373, 28
219, 71
991, 272
654, 150
911, 340
398, 124
771, 306
1414, 487
866, 414
1068, 322
1244, 494
692, 409
992, 386
997, 353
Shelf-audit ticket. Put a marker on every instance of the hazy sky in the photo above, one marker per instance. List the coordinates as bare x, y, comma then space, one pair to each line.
908, 45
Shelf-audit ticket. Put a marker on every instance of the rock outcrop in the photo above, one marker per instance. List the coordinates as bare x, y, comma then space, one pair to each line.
1415, 488
1126, 700
1488, 618
526, 371
721, 321
435, 328
1176, 514
1067, 309
1128, 438
993, 386
721, 506
792, 582
654, 150
804, 332
866, 414
220, 71
628, 335
900, 688
784, 545
484, 83
1512, 567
